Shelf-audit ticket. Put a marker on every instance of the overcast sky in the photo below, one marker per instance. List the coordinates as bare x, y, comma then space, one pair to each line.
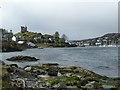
78, 19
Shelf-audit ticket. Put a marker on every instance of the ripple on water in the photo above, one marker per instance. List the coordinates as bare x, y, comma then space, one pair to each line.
103, 67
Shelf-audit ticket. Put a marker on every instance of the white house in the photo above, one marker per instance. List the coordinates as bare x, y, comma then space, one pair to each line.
30, 44
20, 42
14, 38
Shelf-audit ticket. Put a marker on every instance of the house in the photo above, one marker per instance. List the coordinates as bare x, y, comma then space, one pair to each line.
31, 44
20, 42
98, 42
4, 38
14, 38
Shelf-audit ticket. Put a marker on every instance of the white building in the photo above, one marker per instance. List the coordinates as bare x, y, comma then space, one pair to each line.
14, 38
20, 42
30, 44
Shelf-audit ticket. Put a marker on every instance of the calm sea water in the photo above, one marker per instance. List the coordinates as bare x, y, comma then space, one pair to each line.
102, 60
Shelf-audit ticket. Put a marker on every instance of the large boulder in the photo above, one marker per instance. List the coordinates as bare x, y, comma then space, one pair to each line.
62, 85
2, 63
52, 72
39, 71
14, 65
92, 85
50, 64
11, 70
22, 58
28, 68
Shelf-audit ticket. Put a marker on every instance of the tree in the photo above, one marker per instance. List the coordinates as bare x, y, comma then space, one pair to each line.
56, 36
64, 37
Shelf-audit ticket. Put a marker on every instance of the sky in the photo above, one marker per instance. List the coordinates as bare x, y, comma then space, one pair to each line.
78, 19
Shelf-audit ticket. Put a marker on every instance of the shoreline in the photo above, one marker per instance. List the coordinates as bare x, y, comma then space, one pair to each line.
59, 47
50, 75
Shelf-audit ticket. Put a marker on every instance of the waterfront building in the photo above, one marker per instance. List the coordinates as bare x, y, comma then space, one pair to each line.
14, 38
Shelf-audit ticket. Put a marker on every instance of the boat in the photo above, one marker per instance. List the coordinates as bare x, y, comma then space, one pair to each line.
82, 46
40, 47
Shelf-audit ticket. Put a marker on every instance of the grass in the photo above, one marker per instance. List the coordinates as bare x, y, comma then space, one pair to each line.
43, 44
4, 81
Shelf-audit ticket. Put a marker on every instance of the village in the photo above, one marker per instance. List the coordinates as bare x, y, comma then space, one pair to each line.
107, 40
26, 39
33, 39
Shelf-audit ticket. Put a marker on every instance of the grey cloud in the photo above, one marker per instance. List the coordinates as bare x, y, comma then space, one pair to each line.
77, 20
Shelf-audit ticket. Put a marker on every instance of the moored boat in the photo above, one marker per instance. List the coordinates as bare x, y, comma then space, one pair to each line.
40, 47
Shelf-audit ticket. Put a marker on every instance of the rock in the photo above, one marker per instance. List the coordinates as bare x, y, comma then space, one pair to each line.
62, 85
91, 85
14, 65
52, 78
28, 68
52, 72
107, 86
51, 64
31, 83
39, 71
34, 71
10, 70
22, 58
68, 74
48, 84
55, 86
41, 84
67, 70
72, 87
42, 76
2, 63
79, 76
59, 74
18, 83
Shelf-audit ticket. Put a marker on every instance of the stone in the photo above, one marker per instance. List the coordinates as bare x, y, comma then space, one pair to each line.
51, 64
52, 72
14, 65
28, 68
62, 85
10, 70
39, 71
48, 84
34, 71
107, 86
72, 87
59, 74
18, 82
2, 63
68, 74
55, 86
22, 58
42, 76
90, 85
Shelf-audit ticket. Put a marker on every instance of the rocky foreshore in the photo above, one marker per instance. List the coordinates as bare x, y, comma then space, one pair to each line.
22, 58
52, 77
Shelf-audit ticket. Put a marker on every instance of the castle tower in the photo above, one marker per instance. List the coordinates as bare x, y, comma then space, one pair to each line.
23, 29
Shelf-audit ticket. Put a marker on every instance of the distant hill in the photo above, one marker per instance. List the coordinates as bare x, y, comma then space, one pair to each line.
109, 36
112, 36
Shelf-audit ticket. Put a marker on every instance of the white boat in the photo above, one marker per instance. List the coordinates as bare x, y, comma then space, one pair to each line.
108, 46
40, 47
